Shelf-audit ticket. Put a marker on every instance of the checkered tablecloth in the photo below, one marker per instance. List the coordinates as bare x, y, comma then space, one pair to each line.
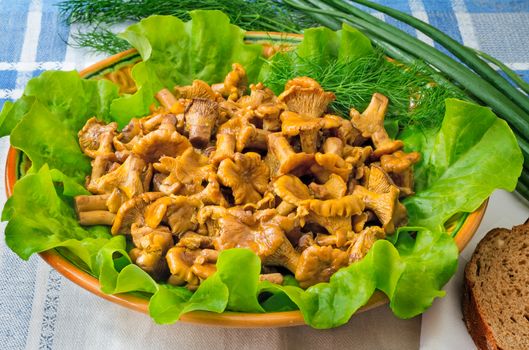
41, 309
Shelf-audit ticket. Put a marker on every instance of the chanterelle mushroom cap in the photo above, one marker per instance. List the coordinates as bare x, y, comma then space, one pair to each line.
267, 202
264, 105
245, 133
198, 89
293, 123
379, 181
129, 135
317, 264
212, 194
132, 212
162, 121
363, 241
95, 138
263, 233
335, 187
343, 129
356, 156
382, 204
269, 113
180, 261
151, 247
399, 161
285, 159
235, 83
399, 165
305, 96
193, 240
130, 178
160, 143
178, 211
259, 95
329, 163
308, 128
371, 124
291, 189
338, 226
186, 172
247, 175
344, 206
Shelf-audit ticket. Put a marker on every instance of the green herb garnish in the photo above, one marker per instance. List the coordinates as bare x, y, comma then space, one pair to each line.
98, 14
415, 98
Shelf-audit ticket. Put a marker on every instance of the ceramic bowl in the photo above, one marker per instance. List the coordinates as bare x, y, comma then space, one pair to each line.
117, 68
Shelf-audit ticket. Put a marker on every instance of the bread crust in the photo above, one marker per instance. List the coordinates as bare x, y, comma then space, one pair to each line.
478, 328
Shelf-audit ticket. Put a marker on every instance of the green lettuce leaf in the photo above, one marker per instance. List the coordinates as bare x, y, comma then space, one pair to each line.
170, 302
53, 109
473, 154
175, 52
51, 144
117, 273
40, 219
13, 112
228, 288
242, 283
429, 262
347, 44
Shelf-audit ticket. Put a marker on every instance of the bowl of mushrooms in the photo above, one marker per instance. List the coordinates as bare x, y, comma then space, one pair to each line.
307, 191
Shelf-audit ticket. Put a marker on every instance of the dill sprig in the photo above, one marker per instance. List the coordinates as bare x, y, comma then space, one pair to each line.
100, 40
248, 14
415, 97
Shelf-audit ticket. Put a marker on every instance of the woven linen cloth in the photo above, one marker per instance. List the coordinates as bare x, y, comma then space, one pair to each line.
40, 309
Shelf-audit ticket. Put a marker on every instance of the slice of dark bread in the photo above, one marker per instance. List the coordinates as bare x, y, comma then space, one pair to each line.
496, 290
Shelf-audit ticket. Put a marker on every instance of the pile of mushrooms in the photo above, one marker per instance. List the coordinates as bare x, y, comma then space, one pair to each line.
213, 168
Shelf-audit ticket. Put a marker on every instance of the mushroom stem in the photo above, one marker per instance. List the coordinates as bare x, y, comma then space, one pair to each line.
99, 167
168, 123
96, 217
289, 161
280, 147
153, 122
276, 278
225, 148
270, 116
333, 145
258, 140
91, 202
271, 124
166, 98
285, 208
309, 140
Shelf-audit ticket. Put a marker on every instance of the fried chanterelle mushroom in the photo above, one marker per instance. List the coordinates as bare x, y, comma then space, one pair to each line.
234, 165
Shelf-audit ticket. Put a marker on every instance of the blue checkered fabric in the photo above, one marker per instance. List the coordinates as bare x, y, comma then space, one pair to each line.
33, 39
